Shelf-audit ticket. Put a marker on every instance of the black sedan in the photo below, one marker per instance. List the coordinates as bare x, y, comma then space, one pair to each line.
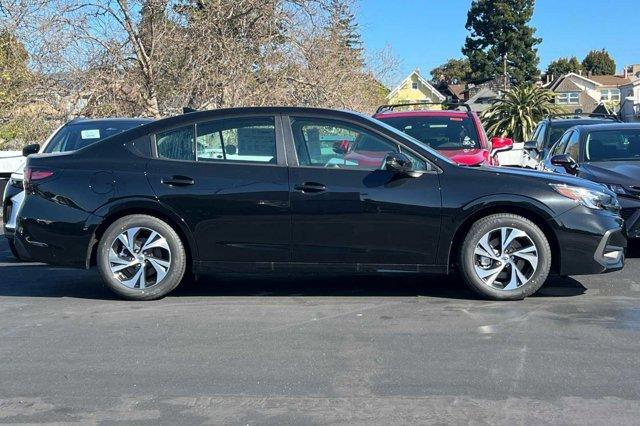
272, 189
608, 154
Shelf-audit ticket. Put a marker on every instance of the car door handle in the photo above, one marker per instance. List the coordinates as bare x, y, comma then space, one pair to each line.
178, 181
310, 187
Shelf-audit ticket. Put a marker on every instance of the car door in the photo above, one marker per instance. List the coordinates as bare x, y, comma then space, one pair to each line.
228, 180
346, 209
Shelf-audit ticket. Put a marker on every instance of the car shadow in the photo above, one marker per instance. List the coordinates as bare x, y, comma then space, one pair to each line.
37, 280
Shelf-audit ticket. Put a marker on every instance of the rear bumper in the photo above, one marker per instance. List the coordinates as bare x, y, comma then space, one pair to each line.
12, 199
590, 241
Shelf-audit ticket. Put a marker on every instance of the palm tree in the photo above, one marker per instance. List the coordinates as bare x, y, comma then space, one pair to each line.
518, 111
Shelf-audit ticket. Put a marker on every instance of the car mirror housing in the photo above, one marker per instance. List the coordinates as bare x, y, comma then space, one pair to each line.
400, 164
30, 149
531, 146
566, 161
499, 144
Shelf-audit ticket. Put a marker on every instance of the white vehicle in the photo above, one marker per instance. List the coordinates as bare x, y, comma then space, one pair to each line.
72, 136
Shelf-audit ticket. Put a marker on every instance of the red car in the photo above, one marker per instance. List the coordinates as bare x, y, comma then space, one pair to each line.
456, 134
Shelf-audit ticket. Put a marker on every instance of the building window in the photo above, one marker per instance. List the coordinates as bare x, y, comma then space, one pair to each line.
568, 98
414, 85
610, 95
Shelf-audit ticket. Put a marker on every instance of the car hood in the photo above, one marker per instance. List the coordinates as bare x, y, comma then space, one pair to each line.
625, 173
466, 157
546, 177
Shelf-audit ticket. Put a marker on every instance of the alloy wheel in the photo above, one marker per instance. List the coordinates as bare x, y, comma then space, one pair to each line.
505, 258
139, 258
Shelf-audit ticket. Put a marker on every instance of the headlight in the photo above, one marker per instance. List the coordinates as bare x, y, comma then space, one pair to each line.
587, 197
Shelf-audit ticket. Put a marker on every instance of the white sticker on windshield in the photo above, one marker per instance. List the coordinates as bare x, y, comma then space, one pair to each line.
90, 134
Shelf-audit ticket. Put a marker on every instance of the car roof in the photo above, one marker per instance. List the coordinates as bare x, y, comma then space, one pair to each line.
578, 121
195, 116
612, 126
82, 120
422, 113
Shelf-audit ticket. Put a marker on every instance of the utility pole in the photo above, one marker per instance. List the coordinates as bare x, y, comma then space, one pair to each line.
504, 70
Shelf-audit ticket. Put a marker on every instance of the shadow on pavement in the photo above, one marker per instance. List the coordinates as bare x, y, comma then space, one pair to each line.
37, 280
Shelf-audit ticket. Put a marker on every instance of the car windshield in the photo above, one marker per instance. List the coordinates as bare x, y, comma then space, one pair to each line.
613, 145
558, 128
79, 135
440, 133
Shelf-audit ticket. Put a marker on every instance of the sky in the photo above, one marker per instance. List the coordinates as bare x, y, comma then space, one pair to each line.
426, 33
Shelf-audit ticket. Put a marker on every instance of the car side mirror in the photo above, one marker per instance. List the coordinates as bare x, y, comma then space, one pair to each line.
30, 149
566, 161
400, 164
531, 146
499, 144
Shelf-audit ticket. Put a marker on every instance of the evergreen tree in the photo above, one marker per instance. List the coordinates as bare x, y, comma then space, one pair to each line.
562, 66
501, 38
599, 62
343, 25
454, 71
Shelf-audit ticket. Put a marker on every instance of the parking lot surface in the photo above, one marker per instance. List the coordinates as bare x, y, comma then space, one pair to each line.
318, 350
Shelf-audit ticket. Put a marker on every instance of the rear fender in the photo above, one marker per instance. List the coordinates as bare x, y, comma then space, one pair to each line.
100, 220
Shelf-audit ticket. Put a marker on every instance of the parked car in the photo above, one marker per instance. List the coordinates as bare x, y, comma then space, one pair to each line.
455, 133
147, 203
74, 135
608, 154
551, 129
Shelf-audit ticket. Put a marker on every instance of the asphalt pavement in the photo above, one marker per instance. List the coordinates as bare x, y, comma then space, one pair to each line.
317, 350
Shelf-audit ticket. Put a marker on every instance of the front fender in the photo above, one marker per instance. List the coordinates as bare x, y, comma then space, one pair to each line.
484, 206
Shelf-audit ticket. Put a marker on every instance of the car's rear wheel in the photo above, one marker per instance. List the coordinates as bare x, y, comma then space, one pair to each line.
505, 257
141, 257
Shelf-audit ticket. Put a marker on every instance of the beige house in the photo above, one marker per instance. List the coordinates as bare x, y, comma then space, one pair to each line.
586, 93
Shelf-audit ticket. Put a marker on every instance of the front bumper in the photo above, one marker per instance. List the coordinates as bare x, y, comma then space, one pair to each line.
590, 241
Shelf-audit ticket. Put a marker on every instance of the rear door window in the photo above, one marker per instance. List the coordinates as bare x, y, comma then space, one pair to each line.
177, 144
251, 139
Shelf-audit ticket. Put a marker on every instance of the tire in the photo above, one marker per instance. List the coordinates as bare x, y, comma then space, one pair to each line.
12, 247
164, 249
527, 250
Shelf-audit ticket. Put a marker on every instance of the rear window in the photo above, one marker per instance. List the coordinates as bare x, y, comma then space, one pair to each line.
75, 136
441, 133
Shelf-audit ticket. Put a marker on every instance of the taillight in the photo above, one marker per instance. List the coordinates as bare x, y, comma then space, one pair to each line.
32, 175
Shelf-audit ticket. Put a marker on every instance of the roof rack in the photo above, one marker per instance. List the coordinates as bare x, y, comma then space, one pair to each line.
569, 115
449, 105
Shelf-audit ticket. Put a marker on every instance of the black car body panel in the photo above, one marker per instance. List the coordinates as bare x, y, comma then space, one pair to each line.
243, 216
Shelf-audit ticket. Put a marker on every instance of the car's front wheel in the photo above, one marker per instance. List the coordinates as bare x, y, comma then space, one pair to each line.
505, 257
141, 257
